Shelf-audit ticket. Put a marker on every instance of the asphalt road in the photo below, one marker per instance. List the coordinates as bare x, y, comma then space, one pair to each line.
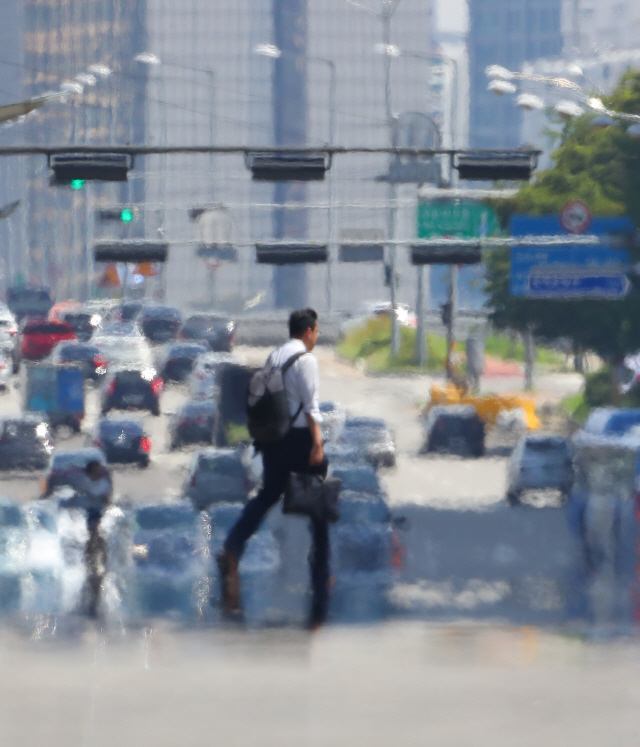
429, 481
69, 683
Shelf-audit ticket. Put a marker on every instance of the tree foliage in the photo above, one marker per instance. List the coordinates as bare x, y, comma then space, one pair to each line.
601, 167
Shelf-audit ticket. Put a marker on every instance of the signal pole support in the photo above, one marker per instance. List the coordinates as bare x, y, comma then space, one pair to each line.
421, 303
450, 320
529, 359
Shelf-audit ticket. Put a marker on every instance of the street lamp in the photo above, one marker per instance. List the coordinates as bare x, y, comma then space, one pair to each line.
500, 82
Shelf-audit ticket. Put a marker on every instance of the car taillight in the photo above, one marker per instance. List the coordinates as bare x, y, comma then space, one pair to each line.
193, 481
100, 362
97, 442
156, 386
145, 444
112, 387
12, 331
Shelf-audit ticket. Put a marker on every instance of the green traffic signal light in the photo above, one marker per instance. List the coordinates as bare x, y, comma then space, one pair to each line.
126, 215
77, 183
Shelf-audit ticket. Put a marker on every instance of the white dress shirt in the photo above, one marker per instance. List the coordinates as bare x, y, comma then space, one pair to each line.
301, 381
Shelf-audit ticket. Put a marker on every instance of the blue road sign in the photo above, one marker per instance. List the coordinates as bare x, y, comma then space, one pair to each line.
569, 271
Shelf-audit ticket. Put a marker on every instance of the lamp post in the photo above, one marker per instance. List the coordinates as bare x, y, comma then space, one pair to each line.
270, 50
389, 51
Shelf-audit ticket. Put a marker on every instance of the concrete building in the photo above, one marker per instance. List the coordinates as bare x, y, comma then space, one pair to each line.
591, 27
213, 82
508, 33
57, 41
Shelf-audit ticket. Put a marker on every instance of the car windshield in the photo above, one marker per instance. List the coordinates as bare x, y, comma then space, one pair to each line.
160, 313
123, 351
198, 408
66, 459
47, 328
227, 465
77, 352
186, 351
116, 427
17, 430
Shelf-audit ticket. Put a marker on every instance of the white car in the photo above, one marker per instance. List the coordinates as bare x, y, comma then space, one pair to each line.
202, 379
125, 352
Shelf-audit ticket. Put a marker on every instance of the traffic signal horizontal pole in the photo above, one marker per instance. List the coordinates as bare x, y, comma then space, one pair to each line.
542, 241
148, 150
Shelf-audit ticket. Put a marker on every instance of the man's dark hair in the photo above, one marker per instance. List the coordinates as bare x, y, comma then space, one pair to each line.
300, 321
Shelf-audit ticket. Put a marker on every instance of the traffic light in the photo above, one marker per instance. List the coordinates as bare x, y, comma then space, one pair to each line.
492, 165
291, 254
76, 168
121, 214
449, 252
288, 166
133, 250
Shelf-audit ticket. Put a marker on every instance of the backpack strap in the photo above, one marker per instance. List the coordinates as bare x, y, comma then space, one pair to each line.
290, 361
287, 365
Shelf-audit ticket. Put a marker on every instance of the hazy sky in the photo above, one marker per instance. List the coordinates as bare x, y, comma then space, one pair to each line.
452, 15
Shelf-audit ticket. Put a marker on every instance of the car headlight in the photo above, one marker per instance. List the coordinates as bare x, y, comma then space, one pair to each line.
230, 327
95, 320
149, 374
42, 430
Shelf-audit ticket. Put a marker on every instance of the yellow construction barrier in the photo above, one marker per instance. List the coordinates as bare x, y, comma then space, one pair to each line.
488, 407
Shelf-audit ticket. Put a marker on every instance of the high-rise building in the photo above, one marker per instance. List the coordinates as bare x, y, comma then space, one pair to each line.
591, 27
508, 33
60, 41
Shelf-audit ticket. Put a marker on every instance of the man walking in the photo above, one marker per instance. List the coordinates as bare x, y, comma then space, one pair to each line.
299, 451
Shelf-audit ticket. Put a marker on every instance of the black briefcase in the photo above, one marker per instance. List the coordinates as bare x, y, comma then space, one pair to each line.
312, 495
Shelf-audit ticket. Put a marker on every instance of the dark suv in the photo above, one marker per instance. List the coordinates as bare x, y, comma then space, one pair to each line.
160, 323
216, 330
25, 443
132, 389
454, 429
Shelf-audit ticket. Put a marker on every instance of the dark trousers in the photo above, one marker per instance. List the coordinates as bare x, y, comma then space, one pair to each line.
279, 460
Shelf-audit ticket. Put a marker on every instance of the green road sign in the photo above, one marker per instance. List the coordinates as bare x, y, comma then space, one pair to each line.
461, 219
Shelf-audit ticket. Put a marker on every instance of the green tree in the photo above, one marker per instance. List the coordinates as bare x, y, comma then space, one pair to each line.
601, 167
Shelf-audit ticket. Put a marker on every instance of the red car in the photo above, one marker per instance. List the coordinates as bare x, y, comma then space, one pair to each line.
40, 336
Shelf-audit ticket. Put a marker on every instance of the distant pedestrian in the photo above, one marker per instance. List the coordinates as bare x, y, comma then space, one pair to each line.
299, 451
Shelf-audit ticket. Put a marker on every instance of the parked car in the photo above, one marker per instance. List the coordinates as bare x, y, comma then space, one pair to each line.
216, 330
6, 368
177, 360
87, 356
194, 422
82, 321
38, 337
68, 468
612, 421
127, 311
160, 323
131, 389
26, 443
217, 476
29, 301
131, 352
203, 379
8, 322
454, 429
123, 440
540, 461
372, 438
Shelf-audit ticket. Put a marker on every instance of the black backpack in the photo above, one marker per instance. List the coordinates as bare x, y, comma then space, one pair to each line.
267, 405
